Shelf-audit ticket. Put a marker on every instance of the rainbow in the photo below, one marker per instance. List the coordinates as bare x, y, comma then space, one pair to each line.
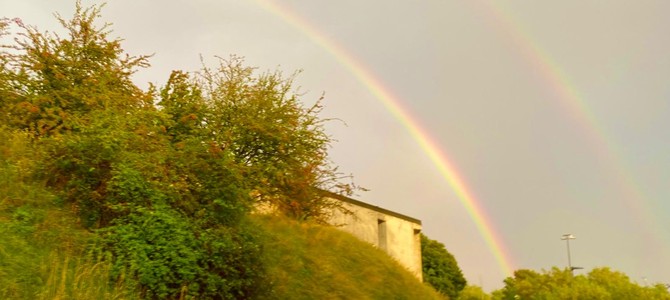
395, 107
578, 108
552, 74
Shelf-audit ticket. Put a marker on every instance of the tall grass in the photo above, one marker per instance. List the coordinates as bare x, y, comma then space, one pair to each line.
43, 250
42, 246
22, 209
70, 278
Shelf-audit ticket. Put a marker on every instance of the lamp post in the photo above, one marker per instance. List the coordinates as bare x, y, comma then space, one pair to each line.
567, 237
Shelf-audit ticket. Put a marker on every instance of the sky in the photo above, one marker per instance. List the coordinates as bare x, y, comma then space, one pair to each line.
553, 116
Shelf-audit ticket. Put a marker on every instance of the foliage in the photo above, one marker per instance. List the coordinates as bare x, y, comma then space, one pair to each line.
42, 247
600, 283
440, 268
169, 256
54, 82
157, 247
473, 292
280, 145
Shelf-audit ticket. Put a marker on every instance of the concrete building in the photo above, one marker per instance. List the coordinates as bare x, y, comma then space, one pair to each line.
396, 234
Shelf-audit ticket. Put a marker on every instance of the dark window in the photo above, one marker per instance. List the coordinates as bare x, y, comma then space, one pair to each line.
381, 234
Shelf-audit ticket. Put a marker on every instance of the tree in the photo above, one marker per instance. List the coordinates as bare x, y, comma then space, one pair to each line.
75, 95
54, 81
473, 292
280, 145
440, 268
600, 283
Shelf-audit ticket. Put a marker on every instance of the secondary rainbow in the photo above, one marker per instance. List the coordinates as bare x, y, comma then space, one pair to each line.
577, 107
394, 106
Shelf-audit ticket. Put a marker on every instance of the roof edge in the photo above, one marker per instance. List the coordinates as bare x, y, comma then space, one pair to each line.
370, 206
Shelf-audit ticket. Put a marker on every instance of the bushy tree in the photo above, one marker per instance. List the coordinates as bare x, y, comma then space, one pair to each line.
600, 283
55, 82
260, 122
74, 94
440, 268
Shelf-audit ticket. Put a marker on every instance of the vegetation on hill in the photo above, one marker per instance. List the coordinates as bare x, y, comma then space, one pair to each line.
302, 260
43, 246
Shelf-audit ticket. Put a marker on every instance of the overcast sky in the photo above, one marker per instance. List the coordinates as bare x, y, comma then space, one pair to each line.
555, 113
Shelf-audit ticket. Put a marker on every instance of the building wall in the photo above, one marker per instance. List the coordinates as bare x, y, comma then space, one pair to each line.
394, 233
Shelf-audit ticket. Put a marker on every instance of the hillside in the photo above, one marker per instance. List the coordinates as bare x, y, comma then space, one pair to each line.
302, 260
309, 261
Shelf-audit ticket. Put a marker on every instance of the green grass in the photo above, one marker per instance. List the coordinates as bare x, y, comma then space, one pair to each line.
309, 261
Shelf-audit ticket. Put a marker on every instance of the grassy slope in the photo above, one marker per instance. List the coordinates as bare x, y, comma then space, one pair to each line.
41, 256
308, 261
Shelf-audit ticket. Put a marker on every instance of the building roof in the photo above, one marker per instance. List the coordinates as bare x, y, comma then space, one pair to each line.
370, 206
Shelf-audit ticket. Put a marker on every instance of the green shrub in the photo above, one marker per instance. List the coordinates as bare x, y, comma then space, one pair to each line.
169, 257
158, 248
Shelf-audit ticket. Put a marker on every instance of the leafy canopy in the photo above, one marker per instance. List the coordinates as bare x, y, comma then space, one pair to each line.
440, 268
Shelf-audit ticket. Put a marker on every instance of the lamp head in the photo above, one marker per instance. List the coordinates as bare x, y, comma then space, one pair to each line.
568, 236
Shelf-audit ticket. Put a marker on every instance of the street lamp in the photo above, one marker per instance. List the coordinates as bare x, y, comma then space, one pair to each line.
567, 237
